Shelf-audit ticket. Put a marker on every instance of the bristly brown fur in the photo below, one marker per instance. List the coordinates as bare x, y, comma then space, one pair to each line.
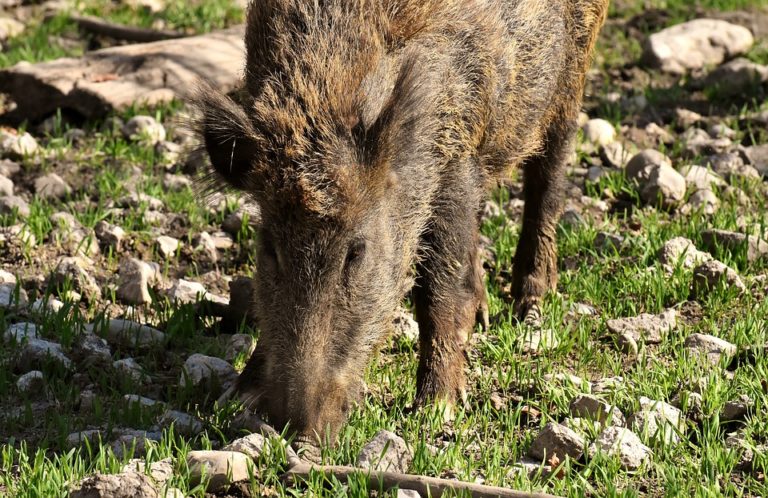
369, 131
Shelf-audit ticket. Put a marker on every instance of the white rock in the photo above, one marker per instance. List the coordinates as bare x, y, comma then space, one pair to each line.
14, 203
696, 44
38, 352
614, 155
17, 146
537, 339
20, 332
127, 332
109, 235
704, 200
657, 420
186, 291
711, 347
7, 277
129, 367
123, 485
593, 408
176, 183
136, 200
160, 471
407, 493
709, 275
623, 444
665, 185
144, 402
645, 327
599, 132
30, 382
167, 246
136, 276
204, 244
144, 129
51, 186
219, 467
10, 28
199, 369
12, 296
405, 326
184, 423
556, 439
701, 178
6, 186
251, 445
683, 252
386, 452
641, 165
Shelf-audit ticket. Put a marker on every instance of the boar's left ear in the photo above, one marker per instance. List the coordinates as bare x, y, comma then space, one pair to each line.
228, 136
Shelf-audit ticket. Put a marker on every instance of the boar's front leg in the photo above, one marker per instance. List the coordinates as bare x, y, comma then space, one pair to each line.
449, 288
535, 265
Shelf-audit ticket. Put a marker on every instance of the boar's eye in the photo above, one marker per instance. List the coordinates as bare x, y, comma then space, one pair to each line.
354, 254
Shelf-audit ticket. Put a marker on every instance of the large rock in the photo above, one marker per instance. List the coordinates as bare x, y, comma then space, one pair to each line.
75, 271
183, 423
202, 369
645, 327
641, 165
701, 178
736, 77
251, 445
17, 146
20, 332
127, 332
13, 203
593, 408
160, 471
754, 247
681, 251
623, 444
109, 235
31, 382
220, 468
136, 277
599, 132
709, 275
37, 352
52, 186
386, 452
12, 296
696, 44
124, 485
555, 439
666, 186
657, 420
711, 347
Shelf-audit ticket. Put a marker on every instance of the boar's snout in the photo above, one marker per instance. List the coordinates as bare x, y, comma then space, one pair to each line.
312, 404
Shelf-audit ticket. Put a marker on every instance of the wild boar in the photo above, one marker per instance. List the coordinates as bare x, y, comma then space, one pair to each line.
369, 132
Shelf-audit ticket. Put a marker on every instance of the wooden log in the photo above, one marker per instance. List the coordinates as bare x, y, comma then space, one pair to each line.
424, 485
133, 34
117, 77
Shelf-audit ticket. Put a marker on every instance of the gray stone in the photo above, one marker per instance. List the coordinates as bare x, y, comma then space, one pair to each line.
86, 400
186, 292
705, 201
109, 235
130, 368
664, 185
711, 347
13, 203
160, 471
6, 186
657, 420
10, 28
407, 493
170, 152
595, 173
143, 402
222, 241
92, 350
167, 246
736, 77
133, 334
686, 118
645, 327
606, 242
683, 252
136, 276
405, 326
7, 277
622, 444
736, 409
239, 344
20, 332
184, 423
9, 168
77, 438
12, 296
758, 157
557, 440
731, 165
697, 142
144, 129
701, 178
176, 183
202, 369
599, 132
38, 352
251, 445
386, 452
17, 146
220, 468
74, 270
75, 239
755, 247
709, 275
614, 155
30, 382
136, 200
641, 165
696, 44
123, 485
205, 245
719, 130
132, 441
51, 186
593, 408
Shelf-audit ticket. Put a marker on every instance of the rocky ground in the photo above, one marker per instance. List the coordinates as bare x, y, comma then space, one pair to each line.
646, 375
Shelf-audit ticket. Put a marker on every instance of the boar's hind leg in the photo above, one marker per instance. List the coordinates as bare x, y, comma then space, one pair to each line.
449, 289
535, 264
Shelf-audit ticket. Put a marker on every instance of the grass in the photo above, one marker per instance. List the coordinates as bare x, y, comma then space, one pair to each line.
506, 384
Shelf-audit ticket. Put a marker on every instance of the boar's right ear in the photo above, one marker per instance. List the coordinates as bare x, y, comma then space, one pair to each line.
228, 137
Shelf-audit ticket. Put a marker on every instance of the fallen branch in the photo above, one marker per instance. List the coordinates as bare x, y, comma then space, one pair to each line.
425, 486
102, 27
